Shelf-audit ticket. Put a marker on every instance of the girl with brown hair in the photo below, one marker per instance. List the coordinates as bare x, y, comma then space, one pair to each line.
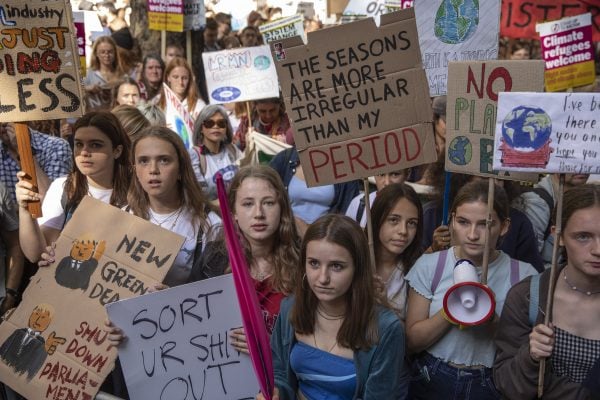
332, 340
180, 79
104, 71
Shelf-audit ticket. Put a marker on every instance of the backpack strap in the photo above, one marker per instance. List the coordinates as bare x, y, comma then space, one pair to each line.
439, 270
534, 298
514, 272
544, 195
361, 209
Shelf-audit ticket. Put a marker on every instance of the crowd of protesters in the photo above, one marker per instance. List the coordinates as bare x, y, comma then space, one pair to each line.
342, 325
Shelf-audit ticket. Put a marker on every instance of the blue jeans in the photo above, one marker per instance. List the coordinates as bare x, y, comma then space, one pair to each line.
434, 379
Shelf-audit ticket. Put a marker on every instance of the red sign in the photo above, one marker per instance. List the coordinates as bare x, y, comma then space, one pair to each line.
520, 16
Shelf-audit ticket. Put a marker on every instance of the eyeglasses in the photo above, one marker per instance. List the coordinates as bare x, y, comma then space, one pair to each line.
209, 123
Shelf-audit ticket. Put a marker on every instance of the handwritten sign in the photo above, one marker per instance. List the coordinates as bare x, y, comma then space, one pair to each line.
282, 28
520, 16
548, 132
165, 15
365, 8
473, 89
240, 74
357, 98
39, 65
178, 343
455, 31
178, 117
568, 51
103, 255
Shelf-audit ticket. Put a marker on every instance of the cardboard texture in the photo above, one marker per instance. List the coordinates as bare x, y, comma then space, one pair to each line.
103, 255
568, 51
282, 28
352, 83
240, 74
455, 31
178, 117
520, 16
193, 322
548, 132
472, 99
39, 62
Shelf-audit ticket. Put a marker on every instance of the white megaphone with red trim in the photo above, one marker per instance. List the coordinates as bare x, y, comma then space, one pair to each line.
468, 302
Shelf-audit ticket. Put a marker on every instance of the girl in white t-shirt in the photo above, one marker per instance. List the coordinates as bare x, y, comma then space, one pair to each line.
166, 193
101, 170
397, 217
455, 361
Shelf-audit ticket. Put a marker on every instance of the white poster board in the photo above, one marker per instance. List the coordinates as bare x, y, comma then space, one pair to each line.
455, 31
178, 117
365, 8
242, 74
282, 28
178, 344
548, 132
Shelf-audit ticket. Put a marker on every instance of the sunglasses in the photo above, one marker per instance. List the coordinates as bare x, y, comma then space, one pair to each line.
209, 123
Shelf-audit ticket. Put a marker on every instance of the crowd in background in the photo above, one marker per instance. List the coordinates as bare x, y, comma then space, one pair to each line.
342, 328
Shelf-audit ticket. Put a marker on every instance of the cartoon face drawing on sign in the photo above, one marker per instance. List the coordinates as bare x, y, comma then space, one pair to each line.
25, 350
75, 270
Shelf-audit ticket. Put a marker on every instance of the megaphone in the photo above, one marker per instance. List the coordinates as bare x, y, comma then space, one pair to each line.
468, 302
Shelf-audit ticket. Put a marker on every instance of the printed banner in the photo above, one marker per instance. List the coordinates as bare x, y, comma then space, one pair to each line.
178, 345
473, 89
165, 15
242, 74
54, 345
178, 117
79, 22
519, 17
357, 98
452, 30
282, 28
568, 51
548, 132
39, 65
193, 15
395, 5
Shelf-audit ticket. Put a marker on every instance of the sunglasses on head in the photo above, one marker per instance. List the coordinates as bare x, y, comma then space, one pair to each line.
209, 123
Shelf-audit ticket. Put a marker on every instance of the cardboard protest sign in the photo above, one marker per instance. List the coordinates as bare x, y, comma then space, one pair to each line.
282, 28
240, 74
357, 99
473, 89
178, 117
178, 343
103, 255
165, 15
39, 66
194, 15
568, 51
455, 31
520, 16
548, 132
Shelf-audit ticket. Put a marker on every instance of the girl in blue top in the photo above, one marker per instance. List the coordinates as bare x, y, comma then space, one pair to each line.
454, 362
332, 339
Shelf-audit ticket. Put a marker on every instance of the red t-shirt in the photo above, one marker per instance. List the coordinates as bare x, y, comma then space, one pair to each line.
269, 300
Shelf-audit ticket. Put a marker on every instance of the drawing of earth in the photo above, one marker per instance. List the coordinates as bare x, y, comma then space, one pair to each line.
456, 20
526, 128
460, 150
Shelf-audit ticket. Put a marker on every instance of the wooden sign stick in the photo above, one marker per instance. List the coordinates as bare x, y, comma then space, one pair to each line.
27, 165
553, 271
369, 223
488, 225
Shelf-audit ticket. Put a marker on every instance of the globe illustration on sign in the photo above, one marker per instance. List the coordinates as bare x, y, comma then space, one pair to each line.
526, 128
460, 150
456, 20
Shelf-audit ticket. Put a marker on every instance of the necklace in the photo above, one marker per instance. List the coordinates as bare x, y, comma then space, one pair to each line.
317, 346
329, 317
575, 288
164, 220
